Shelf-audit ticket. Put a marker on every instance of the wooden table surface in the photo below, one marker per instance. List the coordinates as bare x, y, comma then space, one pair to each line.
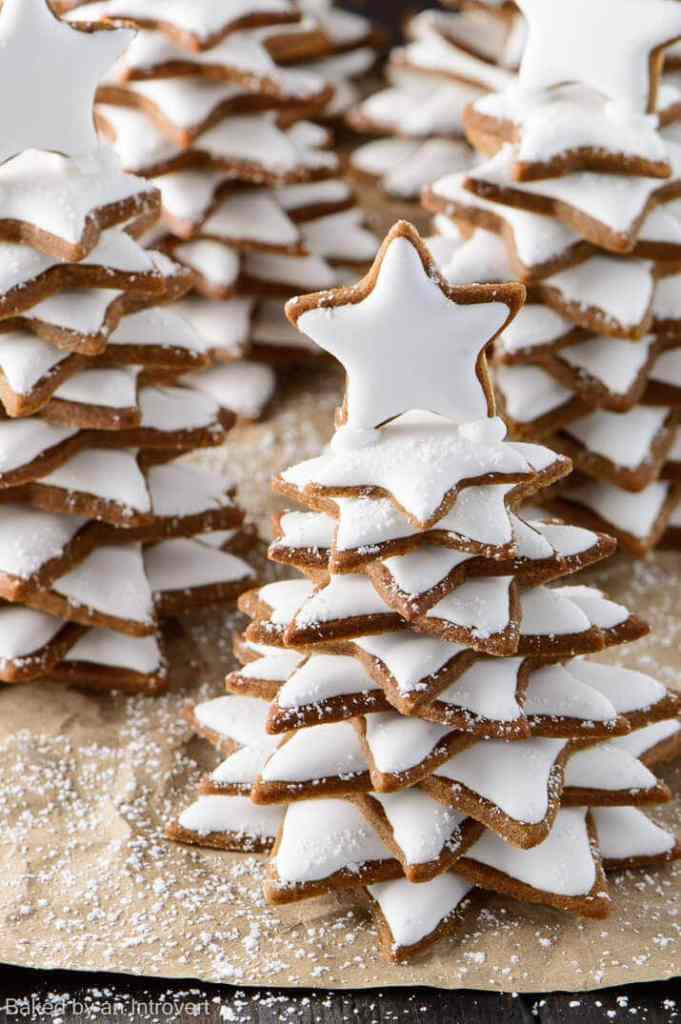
64, 997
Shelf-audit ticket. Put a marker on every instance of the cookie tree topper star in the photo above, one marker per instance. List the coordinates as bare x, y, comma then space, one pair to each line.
48, 76
406, 338
615, 47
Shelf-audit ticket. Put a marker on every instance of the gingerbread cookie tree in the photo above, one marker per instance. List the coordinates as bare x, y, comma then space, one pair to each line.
413, 717
102, 533
578, 197
450, 59
213, 105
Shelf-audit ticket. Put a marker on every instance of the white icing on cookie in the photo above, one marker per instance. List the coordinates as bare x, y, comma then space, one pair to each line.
217, 325
180, 490
323, 677
253, 216
318, 752
563, 864
110, 388
340, 236
624, 688
419, 571
307, 531
615, 363
24, 632
625, 832
625, 439
554, 692
431, 160
377, 157
29, 538
600, 610
240, 719
343, 597
171, 409
529, 392
667, 368
488, 689
22, 441
159, 327
513, 776
321, 837
110, 581
313, 193
421, 827
482, 259
607, 767
82, 312
113, 650
635, 513
213, 261
304, 272
419, 109
640, 741
408, 657
25, 360
211, 814
534, 325
433, 52
187, 195
398, 743
243, 387
479, 605
105, 473
559, 611
285, 598
180, 565
413, 912
241, 768
275, 666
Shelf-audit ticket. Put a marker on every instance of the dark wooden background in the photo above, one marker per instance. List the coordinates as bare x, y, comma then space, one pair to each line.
61, 997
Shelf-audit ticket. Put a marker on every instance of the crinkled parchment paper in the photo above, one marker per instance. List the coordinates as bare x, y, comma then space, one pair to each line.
87, 781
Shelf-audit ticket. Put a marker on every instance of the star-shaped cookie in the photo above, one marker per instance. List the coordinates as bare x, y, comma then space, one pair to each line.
406, 338
51, 71
566, 44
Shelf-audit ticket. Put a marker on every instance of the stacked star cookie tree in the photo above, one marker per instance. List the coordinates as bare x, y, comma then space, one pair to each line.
99, 528
579, 198
413, 717
451, 58
251, 199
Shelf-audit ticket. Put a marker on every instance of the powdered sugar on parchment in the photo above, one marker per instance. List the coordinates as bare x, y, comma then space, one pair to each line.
88, 782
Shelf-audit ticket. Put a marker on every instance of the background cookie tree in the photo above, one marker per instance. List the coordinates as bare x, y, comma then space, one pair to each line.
450, 59
578, 196
413, 717
214, 105
102, 534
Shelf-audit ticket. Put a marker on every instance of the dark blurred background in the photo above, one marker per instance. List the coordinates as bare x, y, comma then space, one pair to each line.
388, 13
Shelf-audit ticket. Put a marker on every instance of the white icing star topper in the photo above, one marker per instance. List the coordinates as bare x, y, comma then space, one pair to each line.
615, 47
49, 73
406, 338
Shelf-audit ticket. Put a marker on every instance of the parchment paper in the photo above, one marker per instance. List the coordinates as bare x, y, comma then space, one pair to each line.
87, 782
